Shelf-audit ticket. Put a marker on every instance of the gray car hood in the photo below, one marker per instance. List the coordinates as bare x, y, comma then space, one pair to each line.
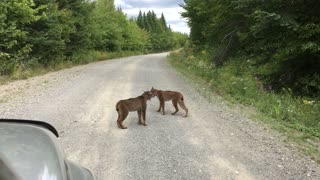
32, 152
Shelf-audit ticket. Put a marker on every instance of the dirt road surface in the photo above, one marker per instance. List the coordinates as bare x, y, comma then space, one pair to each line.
214, 142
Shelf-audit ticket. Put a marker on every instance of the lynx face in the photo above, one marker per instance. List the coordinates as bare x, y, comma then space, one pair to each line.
154, 92
148, 95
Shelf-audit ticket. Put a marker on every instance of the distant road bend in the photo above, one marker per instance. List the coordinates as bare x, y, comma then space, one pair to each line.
214, 142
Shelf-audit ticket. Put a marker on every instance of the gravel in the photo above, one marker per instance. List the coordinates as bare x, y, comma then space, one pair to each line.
214, 142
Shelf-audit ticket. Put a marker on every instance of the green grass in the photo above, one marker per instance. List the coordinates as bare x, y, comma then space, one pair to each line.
78, 59
298, 118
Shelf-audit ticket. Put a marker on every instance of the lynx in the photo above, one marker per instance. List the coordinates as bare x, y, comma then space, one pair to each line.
138, 104
176, 97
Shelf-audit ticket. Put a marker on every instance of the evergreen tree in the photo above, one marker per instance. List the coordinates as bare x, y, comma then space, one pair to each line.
50, 34
161, 36
140, 20
155, 23
163, 22
149, 21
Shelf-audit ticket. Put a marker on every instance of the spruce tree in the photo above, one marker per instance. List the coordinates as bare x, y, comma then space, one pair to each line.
163, 22
140, 20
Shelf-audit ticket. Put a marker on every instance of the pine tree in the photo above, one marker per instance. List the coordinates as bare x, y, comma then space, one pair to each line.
148, 22
140, 20
163, 22
155, 23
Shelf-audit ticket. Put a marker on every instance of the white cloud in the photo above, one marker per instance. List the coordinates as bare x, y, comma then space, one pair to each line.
171, 11
150, 3
122, 4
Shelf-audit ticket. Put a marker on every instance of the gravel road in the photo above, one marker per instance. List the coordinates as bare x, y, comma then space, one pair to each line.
214, 142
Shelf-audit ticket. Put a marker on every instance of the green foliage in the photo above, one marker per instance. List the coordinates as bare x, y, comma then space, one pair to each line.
281, 35
80, 38
105, 27
14, 48
161, 37
234, 81
48, 33
135, 39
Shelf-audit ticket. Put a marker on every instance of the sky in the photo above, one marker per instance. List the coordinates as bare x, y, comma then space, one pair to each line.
170, 9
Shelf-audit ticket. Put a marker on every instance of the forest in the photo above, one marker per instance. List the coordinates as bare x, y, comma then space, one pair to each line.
263, 54
279, 38
44, 33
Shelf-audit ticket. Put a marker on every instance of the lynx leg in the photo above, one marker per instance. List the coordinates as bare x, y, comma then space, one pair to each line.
121, 118
175, 104
159, 108
162, 105
159, 105
139, 116
144, 117
118, 121
183, 106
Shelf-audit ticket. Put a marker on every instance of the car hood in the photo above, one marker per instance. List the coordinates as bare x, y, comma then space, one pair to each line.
32, 152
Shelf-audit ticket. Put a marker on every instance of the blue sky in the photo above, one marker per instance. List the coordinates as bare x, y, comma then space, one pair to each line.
170, 9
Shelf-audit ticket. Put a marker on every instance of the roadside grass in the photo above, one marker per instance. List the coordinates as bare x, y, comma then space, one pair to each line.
78, 59
298, 118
